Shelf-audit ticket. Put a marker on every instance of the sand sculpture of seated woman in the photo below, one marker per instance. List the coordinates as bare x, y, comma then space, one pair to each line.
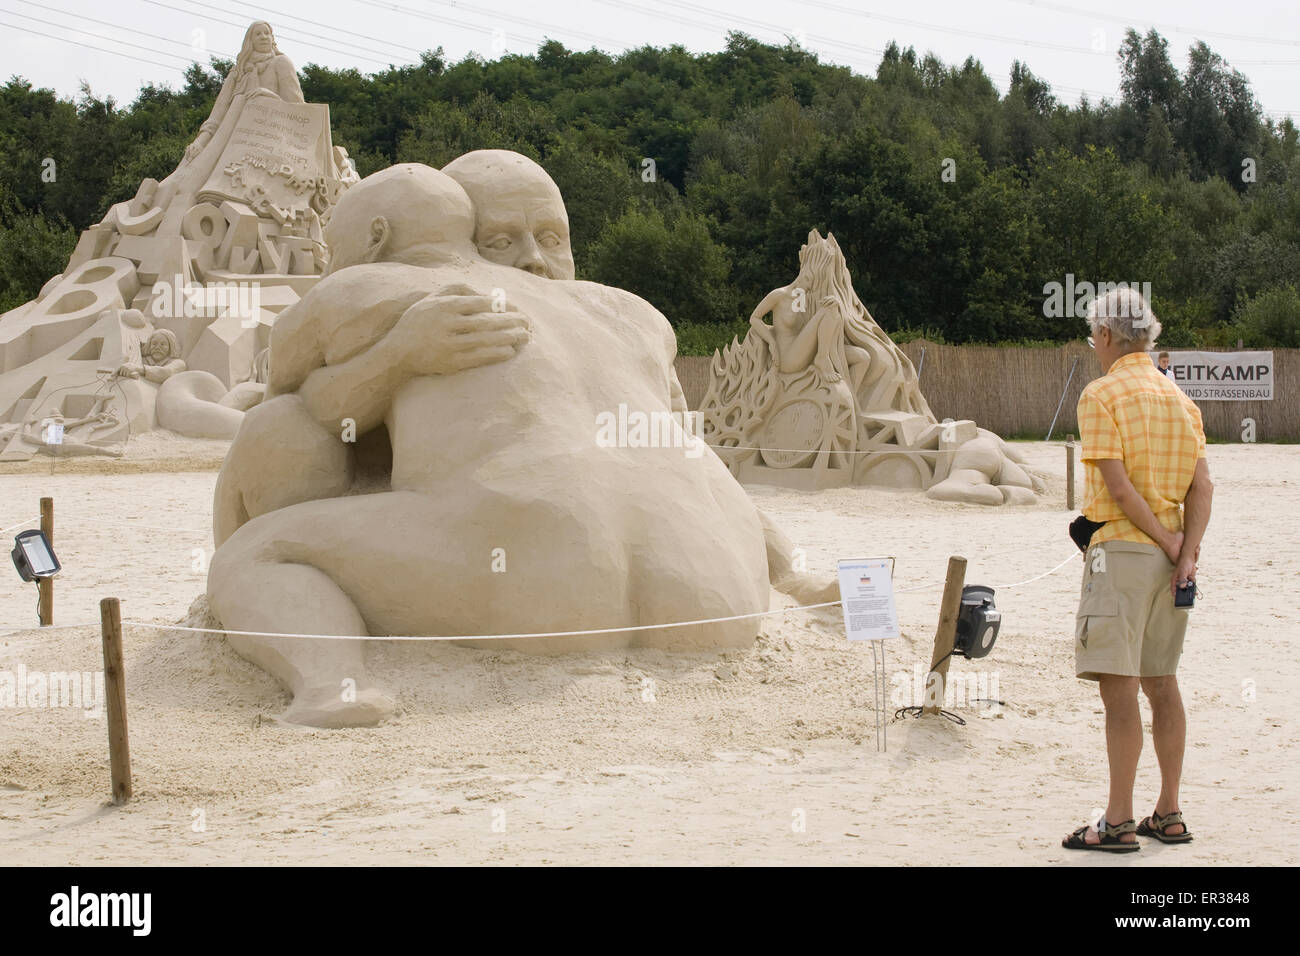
260, 70
822, 396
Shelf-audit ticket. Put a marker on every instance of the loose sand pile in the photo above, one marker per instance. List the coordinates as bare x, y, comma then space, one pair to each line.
761, 756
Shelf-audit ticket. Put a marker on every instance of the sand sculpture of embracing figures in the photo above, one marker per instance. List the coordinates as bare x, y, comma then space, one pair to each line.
426, 461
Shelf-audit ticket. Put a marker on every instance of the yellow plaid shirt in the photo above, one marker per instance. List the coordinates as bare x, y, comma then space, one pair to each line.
1137, 415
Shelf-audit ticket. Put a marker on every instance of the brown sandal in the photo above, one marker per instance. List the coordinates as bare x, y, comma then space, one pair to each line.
1109, 838
1158, 827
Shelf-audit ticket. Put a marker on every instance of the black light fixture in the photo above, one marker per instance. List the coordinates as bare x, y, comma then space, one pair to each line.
977, 622
34, 557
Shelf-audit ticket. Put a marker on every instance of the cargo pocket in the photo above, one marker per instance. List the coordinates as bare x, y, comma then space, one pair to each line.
1094, 610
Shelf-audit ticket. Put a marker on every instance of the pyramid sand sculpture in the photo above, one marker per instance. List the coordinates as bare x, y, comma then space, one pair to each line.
165, 306
822, 397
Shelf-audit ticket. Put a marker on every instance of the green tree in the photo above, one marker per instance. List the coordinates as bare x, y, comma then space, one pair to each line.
674, 265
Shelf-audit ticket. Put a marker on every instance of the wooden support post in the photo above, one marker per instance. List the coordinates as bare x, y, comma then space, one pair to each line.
1069, 472
945, 635
119, 752
45, 587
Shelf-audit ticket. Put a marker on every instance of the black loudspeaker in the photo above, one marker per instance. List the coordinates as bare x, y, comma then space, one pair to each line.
977, 622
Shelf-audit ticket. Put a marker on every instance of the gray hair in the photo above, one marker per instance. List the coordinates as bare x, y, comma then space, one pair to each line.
1127, 313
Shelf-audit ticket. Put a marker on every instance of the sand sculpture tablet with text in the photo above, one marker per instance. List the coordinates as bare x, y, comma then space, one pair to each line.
821, 397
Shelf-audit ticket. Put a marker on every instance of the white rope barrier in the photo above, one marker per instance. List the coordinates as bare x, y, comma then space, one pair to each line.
487, 637
147, 527
1004, 587
866, 451
35, 520
497, 637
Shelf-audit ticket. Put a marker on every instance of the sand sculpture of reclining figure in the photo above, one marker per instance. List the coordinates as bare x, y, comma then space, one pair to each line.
505, 515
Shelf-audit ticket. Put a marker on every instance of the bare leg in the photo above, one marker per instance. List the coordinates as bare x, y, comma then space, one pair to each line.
1169, 733
327, 677
798, 583
1123, 747
830, 335
277, 439
859, 364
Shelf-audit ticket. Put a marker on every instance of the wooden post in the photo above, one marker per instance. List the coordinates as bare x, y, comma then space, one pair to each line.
45, 588
1069, 472
946, 633
119, 752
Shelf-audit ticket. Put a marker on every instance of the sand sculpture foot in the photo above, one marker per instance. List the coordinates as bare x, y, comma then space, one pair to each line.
326, 707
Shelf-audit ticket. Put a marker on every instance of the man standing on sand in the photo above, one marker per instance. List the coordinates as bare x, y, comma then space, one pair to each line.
1144, 457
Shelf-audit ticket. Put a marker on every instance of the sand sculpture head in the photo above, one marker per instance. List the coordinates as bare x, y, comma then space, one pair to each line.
406, 213
162, 346
520, 219
824, 273
259, 40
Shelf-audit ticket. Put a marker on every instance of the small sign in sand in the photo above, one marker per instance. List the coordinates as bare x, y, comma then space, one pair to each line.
867, 597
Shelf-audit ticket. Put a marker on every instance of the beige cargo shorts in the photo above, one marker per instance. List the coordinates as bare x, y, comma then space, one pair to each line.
1127, 623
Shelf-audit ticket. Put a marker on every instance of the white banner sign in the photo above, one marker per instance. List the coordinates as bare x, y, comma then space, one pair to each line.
1222, 376
867, 598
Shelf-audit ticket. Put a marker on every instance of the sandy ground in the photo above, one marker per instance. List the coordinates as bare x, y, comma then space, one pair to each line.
762, 756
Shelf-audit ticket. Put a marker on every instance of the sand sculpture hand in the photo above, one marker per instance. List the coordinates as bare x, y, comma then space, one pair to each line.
196, 147
457, 329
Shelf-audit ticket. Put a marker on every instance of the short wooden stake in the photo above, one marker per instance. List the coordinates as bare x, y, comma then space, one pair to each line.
1069, 472
119, 752
945, 635
45, 587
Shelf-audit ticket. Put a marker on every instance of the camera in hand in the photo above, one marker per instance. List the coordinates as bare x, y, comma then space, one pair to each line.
1185, 596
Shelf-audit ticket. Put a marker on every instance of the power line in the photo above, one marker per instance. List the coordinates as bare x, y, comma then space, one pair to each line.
287, 36
364, 36
1048, 5
91, 46
512, 18
824, 41
446, 21
659, 14
1016, 41
1168, 27
97, 36
106, 23
355, 46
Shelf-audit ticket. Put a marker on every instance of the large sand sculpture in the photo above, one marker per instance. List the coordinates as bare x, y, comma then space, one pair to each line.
504, 512
186, 277
822, 397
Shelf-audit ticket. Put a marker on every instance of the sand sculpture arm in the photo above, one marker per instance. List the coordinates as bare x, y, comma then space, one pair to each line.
807, 343
767, 305
353, 369
361, 388
286, 78
160, 373
214, 118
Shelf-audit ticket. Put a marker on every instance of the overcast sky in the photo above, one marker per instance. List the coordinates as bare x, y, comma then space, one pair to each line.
1071, 43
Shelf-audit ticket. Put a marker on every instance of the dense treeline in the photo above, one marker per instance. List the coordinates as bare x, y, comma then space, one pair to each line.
693, 180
